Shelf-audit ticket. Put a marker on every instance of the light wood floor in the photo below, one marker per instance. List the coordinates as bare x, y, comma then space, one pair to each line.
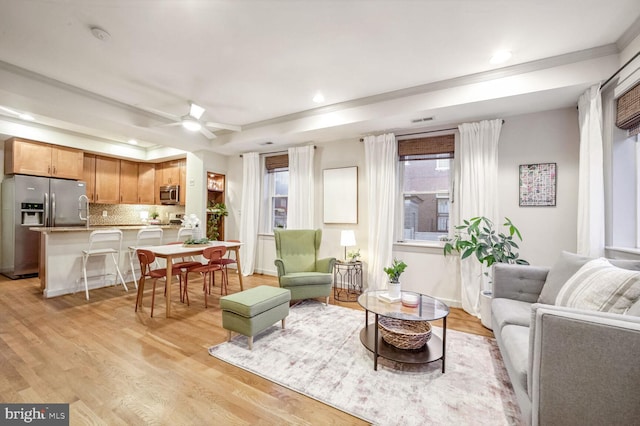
114, 366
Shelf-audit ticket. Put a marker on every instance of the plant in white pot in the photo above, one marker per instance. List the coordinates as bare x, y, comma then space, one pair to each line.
393, 272
478, 237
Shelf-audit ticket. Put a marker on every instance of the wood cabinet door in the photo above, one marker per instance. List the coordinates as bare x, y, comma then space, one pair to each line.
67, 163
146, 183
171, 173
107, 180
29, 158
89, 176
128, 182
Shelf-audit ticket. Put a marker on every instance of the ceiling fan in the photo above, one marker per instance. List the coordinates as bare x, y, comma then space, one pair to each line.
192, 121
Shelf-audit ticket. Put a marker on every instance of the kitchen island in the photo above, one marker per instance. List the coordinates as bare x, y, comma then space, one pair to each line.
60, 261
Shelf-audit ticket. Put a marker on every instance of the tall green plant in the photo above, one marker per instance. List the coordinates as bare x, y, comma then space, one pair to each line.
216, 212
477, 237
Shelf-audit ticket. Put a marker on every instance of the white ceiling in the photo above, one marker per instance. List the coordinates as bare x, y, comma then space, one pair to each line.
258, 64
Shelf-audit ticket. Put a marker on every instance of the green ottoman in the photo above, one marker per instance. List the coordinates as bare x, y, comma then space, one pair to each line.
251, 311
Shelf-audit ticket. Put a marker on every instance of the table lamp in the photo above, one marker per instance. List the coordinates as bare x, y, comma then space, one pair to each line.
347, 238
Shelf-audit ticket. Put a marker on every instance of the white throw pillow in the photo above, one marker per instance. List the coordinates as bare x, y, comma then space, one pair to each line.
600, 286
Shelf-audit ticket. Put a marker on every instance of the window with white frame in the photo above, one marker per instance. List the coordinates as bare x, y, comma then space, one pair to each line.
276, 192
425, 165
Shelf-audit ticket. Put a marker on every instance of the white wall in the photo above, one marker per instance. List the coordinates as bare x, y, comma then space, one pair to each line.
544, 137
548, 136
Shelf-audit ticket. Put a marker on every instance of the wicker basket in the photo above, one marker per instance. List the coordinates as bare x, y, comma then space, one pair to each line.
404, 334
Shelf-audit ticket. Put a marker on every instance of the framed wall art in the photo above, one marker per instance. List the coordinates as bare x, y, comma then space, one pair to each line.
340, 195
538, 184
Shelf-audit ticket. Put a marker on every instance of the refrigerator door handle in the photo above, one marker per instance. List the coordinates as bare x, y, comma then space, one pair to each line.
53, 209
46, 209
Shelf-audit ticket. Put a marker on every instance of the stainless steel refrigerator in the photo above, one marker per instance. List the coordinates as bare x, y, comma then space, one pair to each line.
32, 201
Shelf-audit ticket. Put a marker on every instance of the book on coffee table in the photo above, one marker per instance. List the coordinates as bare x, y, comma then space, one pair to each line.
386, 298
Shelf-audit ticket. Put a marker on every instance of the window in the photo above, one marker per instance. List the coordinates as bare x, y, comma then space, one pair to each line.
276, 192
426, 165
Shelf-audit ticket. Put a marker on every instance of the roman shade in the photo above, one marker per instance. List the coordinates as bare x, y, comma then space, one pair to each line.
442, 146
628, 111
276, 162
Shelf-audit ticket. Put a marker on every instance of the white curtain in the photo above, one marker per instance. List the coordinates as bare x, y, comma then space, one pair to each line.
381, 160
250, 210
301, 188
478, 197
590, 175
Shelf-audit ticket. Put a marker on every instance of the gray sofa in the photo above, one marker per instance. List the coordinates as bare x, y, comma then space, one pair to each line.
568, 366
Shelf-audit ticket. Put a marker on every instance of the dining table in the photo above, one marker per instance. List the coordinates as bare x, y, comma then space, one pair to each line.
169, 252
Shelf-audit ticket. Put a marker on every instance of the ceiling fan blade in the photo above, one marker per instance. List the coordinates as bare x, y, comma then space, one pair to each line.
171, 124
196, 111
223, 126
207, 133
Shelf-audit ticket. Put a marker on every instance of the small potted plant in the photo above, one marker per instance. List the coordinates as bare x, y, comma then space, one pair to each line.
394, 272
154, 218
353, 255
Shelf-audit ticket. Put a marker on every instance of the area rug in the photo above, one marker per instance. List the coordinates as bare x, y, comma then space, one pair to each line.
320, 355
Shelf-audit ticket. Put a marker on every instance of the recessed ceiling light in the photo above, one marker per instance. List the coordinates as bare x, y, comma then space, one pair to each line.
500, 57
318, 97
132, 142
191, 125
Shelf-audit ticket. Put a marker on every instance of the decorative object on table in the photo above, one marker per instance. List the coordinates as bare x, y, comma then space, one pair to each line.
196, 242
353, 255
478, 237
347, 239
404, 334
340, 195
394, 272
537, 184
475, 390
218, 211
410, 300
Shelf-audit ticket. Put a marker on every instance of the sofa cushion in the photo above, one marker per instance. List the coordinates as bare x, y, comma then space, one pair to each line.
516, 352
566, 266
634, 309
305, 278
509, 312
600, 286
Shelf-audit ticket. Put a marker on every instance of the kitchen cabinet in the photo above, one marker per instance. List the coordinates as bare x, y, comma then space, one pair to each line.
107, 180
89, 176
146, 183
173, 173
128, 182
35, 158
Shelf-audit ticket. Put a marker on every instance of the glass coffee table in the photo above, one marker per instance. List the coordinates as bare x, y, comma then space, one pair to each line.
428, 309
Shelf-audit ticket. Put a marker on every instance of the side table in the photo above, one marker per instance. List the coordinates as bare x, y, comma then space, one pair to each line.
347, 281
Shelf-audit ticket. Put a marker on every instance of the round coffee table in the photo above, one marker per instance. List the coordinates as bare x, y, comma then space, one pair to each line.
428, 309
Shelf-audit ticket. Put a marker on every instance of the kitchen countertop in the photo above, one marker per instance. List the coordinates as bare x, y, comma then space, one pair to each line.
98, 227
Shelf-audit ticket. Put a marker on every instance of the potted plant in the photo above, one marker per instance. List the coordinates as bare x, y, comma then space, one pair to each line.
353, 255
216, 212
477, 237
393, 272
154, 217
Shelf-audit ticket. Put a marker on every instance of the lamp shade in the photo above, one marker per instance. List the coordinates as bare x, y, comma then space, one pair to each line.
347, 238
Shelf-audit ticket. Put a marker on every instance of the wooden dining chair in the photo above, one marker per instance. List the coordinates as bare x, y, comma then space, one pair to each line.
226, 261
183, 266
147, 258
212, 255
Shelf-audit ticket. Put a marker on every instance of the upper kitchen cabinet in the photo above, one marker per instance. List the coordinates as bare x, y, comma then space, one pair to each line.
107, 180
146, 183
128, 182
173, 173
28, 157
90, 176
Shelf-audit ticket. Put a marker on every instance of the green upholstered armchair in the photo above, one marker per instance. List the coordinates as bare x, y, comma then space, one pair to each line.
299, 268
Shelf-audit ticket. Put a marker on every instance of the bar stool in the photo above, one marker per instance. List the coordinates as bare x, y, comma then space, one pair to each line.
146, 237
103, 243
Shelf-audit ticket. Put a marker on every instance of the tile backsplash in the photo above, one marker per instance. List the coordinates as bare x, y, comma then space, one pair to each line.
129, 214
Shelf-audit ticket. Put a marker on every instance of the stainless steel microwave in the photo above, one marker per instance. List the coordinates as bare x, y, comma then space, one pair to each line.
170, 194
